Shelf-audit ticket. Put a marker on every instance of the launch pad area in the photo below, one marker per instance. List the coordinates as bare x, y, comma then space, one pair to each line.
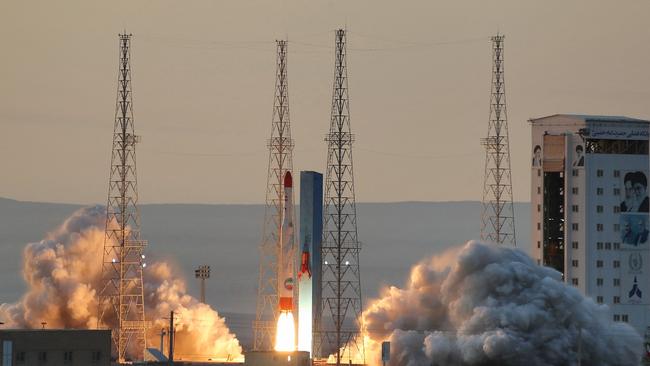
274, 358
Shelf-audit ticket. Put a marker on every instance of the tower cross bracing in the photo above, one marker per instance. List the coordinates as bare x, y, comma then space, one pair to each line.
497, 219
280, 161
338, 330
121, 296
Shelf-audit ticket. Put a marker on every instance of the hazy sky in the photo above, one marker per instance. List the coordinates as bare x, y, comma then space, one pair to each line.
203, 76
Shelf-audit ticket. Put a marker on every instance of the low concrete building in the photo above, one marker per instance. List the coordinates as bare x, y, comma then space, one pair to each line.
273, 358
54, 347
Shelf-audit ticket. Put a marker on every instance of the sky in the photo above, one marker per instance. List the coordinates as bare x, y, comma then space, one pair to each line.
203, 81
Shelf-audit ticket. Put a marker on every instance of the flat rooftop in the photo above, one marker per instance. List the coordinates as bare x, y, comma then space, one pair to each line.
591, 118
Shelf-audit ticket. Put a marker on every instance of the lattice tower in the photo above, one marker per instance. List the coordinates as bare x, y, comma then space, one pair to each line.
280, 161
338, 329
121, 297
497, 219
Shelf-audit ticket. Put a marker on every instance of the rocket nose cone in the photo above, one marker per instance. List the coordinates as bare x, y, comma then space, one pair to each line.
288, 182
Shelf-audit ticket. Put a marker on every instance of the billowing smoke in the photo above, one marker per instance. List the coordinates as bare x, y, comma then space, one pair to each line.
63, 274
488, 305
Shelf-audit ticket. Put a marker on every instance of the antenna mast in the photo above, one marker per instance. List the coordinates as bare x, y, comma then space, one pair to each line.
497, 219
280, 161
338, 328
121, 297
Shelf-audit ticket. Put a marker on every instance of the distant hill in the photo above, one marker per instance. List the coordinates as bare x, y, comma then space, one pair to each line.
394, 237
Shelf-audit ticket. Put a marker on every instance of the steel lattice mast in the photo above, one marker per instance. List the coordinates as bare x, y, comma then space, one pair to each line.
338, 329
497, 220
121, 297
280, 161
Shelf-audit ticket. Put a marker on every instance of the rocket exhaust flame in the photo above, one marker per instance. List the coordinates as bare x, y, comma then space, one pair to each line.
63, 275
285, 336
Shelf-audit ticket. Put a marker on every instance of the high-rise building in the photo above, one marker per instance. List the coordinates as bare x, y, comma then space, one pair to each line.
589, 196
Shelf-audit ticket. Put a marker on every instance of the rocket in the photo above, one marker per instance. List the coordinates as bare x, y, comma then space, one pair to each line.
285, 262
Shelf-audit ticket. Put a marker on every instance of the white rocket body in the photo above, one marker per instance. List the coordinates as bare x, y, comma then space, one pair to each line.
286, 259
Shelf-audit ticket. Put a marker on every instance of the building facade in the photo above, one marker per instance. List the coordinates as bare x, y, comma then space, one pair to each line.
589, 202
53, 347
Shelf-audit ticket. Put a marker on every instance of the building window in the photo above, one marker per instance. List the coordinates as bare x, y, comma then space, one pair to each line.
574, 263
574, 226
599, 208
539, 244
617, 173
617, 227
575, 172
600, 191
67, 356
97, 356
617, 318
574, 190
599, 281
20, 357
617, 264
624, 318
617, 300
617, 209
42, 356
574, 245
539, 190
574, 281
574, 208
539, 208
617, 191
599, 263
599, 227
608, 246
599, 173
539, 172
539, 226
617, 282
599, 299
599, 245
617, 246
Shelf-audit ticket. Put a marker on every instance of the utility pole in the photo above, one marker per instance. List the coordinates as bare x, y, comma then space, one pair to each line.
171, 338
280, 162
497, 219
121, 296
338, 329
162, 341
202, 273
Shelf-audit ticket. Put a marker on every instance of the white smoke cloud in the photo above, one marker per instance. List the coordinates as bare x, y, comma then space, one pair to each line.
488, 305
63, 273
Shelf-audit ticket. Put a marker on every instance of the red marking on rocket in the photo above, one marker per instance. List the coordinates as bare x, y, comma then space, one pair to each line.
286, 303
304, 265
288, 181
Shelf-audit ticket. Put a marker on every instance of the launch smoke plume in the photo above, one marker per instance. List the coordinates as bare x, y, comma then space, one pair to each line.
488, 305
63, 274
